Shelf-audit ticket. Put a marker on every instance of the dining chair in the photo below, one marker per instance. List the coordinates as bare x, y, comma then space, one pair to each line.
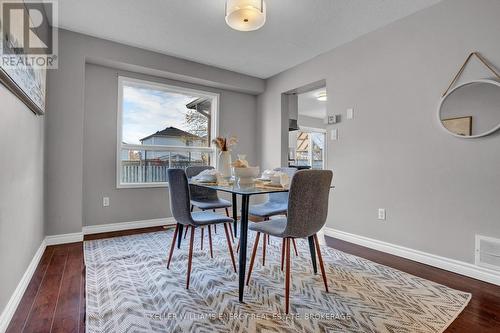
205, 199
276, 204
307, 212
180, 202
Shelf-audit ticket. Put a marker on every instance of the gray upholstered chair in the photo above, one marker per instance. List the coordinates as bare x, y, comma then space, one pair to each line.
205, 198
307, 212
180, 207
276, 204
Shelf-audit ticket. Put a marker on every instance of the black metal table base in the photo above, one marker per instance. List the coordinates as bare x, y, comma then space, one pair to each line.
243, 245
313, 253
235, 214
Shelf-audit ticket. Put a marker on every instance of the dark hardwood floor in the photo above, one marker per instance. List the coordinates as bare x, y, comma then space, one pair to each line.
482, 314
55, 298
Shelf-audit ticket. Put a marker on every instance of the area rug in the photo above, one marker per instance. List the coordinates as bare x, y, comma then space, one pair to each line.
129, 289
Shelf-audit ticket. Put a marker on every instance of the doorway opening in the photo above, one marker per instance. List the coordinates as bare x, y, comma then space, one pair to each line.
307, 141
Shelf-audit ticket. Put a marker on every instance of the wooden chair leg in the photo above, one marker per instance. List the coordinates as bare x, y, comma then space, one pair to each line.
210, 241
230, 247
267, 236
264, 249
295, 247
186, 232
320, 258
282, 253
227, 212
238, 247
202, 231
287, 276
190, 257
252, 260
173, 245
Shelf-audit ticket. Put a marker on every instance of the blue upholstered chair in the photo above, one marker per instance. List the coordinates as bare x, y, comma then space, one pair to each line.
276, 204
307, 212
180, 203
205, 198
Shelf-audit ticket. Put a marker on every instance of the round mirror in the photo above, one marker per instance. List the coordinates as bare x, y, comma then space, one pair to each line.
472, 109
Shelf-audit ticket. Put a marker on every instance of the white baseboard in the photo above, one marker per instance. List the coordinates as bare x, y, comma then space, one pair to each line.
95, 229
452, 265
10, 308
64, 238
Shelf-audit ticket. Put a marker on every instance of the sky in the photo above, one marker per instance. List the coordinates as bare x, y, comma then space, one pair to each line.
146, 111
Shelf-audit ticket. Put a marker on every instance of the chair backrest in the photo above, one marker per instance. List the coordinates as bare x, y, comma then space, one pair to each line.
197, 192
308, 202
179, 196
282, 197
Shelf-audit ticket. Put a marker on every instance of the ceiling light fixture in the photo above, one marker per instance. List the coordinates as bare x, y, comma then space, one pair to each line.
245, 15
322, 96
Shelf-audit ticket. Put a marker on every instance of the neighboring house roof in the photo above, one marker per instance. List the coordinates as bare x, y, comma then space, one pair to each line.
171, 132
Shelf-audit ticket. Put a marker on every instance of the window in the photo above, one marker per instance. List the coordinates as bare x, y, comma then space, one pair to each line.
161, 127
310, 149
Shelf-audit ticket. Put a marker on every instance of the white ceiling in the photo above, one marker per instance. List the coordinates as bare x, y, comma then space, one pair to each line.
295, 31
310, 106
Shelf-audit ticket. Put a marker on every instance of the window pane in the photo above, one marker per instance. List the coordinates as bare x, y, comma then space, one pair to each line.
153, 116
318, 147
310, 149
147, 166
302, 155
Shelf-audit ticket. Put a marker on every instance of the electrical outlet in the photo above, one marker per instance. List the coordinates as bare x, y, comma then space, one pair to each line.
105, 201
381, 214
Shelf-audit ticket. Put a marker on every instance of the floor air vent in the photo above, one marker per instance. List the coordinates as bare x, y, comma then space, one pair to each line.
487, 252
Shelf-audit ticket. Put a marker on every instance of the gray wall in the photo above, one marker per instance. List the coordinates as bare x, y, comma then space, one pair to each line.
439, 191
21, 190
311, 122
237, 116
65, 118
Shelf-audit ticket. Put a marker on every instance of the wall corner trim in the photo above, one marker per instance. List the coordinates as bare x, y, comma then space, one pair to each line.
17, 295
452, 265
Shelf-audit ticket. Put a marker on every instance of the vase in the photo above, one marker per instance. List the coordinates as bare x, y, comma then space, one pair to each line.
224, 164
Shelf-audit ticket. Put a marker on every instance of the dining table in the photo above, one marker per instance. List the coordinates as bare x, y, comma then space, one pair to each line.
245, 192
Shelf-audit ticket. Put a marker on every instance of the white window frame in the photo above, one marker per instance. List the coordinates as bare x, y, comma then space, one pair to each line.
168, 88
325, 149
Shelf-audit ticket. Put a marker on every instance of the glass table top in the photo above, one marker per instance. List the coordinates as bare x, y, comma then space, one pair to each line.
243, 190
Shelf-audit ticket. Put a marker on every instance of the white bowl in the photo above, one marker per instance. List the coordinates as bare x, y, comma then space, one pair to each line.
249, 172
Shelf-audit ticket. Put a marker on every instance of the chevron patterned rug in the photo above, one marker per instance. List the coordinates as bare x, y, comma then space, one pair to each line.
129, 289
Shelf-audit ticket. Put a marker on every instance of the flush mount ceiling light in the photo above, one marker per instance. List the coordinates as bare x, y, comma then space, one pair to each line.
245, 15
321, 96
